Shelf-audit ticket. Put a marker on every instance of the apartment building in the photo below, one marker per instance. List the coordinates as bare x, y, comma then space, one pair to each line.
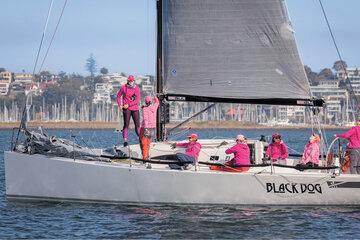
24, 78
5, 80
102, 93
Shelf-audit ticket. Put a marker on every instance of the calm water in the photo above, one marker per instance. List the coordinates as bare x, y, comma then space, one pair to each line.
74, 220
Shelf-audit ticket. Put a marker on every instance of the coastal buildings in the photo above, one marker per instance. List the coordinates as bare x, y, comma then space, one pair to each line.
102, 93
24, 78
5, 80
336, 100
353, 75
147, 84
101, 104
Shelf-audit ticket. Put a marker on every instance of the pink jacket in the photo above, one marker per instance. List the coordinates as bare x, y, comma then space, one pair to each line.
192, 148
241, 153
353, 135
130, 96
149, 114
311, 153
277, 150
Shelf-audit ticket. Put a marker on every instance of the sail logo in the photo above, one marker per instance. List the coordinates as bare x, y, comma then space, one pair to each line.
294, 188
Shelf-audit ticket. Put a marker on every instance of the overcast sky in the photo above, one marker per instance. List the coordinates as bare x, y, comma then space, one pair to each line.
121, 34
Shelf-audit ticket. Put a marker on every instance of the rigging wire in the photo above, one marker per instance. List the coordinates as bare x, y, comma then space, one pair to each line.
53, 36
339, 55
28, 100
43, 35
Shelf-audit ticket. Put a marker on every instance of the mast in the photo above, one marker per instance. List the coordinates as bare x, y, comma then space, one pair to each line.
160, 125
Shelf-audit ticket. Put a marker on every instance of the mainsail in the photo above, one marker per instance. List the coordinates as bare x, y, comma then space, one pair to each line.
231, 51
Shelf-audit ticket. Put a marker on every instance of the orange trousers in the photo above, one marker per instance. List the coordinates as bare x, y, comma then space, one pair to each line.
145, 145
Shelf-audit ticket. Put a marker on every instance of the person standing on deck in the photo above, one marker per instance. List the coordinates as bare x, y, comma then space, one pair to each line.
148, 124
353, 135
277, 151
192, 151
241, 153
128, 99
312, 151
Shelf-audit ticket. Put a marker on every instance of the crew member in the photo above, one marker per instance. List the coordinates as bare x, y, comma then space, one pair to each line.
353, 135
277, 151
128, 99
192, 151
312, 151
148, 124
241, 153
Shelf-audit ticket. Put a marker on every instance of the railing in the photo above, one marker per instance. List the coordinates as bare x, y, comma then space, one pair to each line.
330, 156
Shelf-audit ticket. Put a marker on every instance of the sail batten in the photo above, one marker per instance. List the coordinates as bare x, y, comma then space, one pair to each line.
231, 49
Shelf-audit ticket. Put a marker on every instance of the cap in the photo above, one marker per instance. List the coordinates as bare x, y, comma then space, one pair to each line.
240, 137
276, 135
193, 135
131, 78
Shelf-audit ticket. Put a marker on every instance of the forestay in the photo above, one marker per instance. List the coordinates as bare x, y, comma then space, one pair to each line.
231, 49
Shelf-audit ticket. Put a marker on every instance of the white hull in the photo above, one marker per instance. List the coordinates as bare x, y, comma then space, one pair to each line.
38, 176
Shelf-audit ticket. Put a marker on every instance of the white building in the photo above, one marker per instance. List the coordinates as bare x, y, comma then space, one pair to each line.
4, 88
353, 75
5, 81
25, 78
292, 113
147, 84
336, 100
102, 93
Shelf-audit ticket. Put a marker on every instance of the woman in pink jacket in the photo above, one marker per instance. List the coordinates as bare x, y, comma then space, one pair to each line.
192, 151
312, 151
241, 153
353, 135
148, 124
128, 99
277, 150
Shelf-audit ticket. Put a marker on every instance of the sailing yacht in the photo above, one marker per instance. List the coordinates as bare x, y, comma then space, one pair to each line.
207, 51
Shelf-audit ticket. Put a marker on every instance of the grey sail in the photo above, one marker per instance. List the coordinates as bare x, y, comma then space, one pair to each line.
230, 50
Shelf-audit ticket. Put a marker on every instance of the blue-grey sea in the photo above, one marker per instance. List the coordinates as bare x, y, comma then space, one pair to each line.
154, 221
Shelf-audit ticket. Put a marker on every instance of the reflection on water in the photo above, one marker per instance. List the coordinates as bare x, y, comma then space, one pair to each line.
75, 220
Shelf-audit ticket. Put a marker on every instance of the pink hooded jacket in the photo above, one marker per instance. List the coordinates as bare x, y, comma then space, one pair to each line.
241, 153
192, 148
311, 153
277, 150
130, 96
353, 135
149, 114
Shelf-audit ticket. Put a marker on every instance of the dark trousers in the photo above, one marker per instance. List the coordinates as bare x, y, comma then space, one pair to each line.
185, 162
136, 118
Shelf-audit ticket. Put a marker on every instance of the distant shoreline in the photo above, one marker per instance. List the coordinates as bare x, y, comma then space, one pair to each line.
201, 125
